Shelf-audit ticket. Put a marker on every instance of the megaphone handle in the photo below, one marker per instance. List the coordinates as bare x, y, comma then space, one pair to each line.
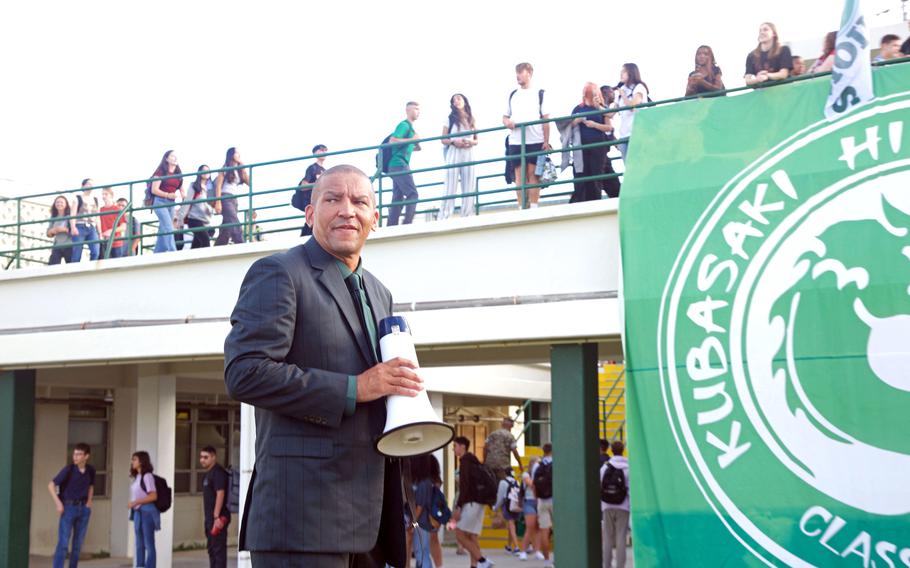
408, 484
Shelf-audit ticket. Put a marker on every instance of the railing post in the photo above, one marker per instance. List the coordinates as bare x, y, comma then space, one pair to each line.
380, 191
249, 217
524, 171
18, 232
129, 229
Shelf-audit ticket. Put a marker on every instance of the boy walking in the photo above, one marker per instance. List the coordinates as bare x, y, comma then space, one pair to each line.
403, 187
72, 490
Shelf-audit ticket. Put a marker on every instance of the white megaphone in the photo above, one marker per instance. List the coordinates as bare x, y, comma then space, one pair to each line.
411, 427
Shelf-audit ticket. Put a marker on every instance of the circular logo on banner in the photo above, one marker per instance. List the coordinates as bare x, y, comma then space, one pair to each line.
784, 342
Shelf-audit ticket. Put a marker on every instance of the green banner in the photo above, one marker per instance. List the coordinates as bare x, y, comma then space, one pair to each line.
766, 287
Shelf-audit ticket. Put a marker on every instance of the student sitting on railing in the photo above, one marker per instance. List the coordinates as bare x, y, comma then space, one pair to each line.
165, 193
60, 230
198, 215
85, 229
458, 150
231, 183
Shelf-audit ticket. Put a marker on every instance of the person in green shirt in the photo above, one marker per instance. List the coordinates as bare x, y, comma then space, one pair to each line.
403, 187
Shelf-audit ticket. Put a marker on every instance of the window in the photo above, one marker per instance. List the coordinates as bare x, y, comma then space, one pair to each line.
198, 427
89, 423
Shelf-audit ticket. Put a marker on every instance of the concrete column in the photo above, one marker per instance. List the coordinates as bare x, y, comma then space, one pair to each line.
576, 495
17, 436
156, 425
123, 435
247, 461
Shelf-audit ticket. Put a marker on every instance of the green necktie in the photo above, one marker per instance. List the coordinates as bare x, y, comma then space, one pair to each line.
365, 311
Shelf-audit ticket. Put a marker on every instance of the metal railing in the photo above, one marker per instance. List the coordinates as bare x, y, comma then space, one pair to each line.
489, 198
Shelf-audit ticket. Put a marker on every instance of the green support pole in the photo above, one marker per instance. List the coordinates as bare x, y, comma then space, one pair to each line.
576, 449
17, 438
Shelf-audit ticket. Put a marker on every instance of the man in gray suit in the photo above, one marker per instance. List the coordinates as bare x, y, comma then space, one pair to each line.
303, 350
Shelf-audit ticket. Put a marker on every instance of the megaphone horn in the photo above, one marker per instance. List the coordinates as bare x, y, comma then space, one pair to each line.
412, 427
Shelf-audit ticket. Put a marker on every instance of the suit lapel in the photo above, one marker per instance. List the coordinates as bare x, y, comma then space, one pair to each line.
375, 296
331, 280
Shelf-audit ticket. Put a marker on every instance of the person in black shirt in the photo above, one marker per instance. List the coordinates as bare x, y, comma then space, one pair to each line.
72, 490
610, 186
707, 76
215, 491
769, 61
593, 129
305, 188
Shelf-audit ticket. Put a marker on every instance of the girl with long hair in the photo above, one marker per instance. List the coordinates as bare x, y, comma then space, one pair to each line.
458, 150
632, 92
198, 216
164, 196
707, 76
769, 61
529, 510
233, 182
825, 61
593, 130
59, 230
143, 512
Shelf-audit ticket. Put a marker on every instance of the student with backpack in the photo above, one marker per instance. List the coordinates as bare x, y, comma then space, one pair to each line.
72, 490
614, 504
543, 487
399, 166
509, 506
143, 508
468, 514
526, 105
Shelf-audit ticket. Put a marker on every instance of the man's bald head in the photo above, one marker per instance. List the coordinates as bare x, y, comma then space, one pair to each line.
341, 170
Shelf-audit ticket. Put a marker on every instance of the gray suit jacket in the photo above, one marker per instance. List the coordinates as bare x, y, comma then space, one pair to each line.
319, 485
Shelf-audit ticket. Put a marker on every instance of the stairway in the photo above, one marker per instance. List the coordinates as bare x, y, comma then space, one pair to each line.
496, 539
611, 391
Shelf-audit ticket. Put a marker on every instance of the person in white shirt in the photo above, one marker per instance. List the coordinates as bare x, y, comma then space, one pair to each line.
526, 105
632, 91
615, 517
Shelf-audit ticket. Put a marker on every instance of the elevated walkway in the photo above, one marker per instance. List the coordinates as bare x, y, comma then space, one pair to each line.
483, 290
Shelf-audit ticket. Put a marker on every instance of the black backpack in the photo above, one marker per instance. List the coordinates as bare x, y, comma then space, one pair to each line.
384, 156
613, 488
233, 499
543, 481
164, 495
485, 484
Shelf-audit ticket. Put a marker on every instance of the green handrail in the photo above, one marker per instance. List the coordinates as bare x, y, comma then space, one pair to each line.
248, 224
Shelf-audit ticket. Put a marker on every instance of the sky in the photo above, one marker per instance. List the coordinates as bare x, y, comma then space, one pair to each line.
102, 89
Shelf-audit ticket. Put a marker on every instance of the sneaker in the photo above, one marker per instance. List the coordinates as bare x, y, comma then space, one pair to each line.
485, 564
539, 555
509, 549
522, 555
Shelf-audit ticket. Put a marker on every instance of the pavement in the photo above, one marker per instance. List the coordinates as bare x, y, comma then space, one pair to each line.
199, 559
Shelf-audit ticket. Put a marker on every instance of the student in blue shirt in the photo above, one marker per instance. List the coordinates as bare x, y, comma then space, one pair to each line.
72, 490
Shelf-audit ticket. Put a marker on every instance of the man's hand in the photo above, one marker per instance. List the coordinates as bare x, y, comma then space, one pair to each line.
88, 503
218, 208
393, 377
59, 508
509, 123
456, 515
